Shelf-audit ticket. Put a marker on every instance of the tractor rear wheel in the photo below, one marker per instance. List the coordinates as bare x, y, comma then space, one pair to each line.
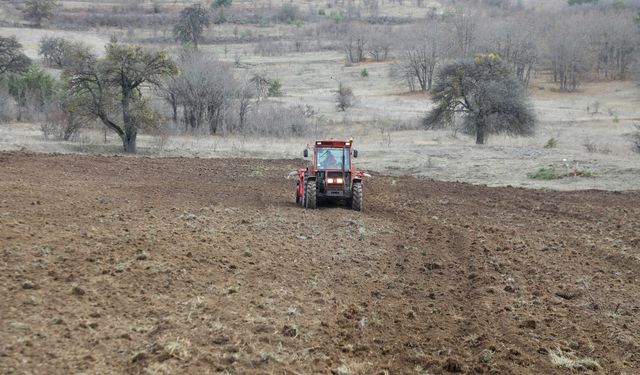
356, 196
310, 195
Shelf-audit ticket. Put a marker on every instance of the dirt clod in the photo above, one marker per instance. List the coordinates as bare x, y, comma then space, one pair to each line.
452, 365
290, 330
78, 291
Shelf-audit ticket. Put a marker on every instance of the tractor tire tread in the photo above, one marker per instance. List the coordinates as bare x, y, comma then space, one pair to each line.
310, 195
356, 199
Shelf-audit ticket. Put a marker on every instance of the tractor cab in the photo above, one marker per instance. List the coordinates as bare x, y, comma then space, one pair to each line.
331, 176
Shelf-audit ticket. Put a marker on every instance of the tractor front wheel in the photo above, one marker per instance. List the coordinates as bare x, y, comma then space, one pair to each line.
356, 196
310, 195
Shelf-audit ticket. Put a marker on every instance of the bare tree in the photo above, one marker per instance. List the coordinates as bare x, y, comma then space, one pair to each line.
514, 40
488, 97
424, 48
203, 90
261, 83
617, 40
355, 44
381, 39
464, 30
244, 95
569, 53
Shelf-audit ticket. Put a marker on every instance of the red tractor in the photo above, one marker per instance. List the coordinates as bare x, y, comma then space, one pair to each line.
331, 176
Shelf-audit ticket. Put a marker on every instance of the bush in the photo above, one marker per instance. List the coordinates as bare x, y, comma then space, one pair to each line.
7, 106
52, 50
278, 120
364, 73
551, 143
288, 13
345, 97
593, 147
32, 91
59, 126
544, 174
635, 140
275, 88
554, 173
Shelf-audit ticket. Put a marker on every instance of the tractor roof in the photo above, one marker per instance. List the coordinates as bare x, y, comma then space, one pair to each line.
333, 142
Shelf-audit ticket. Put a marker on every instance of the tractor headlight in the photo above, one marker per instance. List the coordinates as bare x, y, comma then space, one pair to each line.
330, 180
339, 180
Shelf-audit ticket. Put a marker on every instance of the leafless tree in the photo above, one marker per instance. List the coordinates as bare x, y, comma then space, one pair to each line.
381, 40
244, 97
203, 90
616, 37
569, 53
420, 54
261, 84
465, 28
514, 39
355, 44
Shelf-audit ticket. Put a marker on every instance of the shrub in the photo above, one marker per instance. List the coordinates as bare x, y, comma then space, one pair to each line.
7, 107
593, 147
288, 13
551, 143
277, 120
275, 88
544, 174
345, 97
635, 140
32, 91
364, 73
52, 51
554, 173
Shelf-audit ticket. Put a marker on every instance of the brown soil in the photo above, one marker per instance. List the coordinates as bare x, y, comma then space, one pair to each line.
137, 265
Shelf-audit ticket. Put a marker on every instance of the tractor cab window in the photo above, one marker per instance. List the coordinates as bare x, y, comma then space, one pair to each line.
333, 158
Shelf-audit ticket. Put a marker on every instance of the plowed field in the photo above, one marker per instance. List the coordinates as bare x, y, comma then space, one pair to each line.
154, 266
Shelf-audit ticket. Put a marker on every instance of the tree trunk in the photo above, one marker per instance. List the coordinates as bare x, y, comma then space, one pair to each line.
129, 143
130, 128
174, 107
480, 133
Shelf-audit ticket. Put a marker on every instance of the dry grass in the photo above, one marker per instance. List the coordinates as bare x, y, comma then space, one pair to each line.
571, 361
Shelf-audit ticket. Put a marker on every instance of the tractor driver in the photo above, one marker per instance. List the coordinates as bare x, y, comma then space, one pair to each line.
330, 162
